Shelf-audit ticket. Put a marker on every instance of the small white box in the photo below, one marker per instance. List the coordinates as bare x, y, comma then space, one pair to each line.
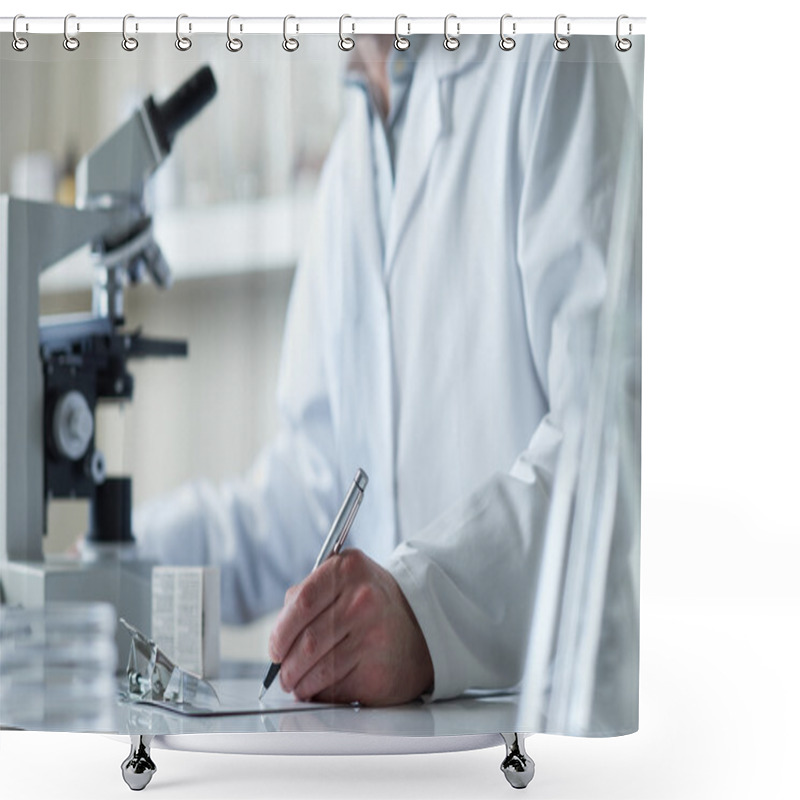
186, 617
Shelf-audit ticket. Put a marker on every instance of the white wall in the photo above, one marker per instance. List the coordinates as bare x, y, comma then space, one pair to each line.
241, 151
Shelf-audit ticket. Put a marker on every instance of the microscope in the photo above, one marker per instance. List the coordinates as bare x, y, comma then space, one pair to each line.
54, 372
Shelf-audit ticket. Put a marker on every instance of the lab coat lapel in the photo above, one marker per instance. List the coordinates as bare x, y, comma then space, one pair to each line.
422, 128
362, 348
427, 118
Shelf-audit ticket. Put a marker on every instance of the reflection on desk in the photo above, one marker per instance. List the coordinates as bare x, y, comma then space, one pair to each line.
473, 714
393, 729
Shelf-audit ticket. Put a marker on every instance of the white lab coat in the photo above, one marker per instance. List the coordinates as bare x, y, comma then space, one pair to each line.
437, 348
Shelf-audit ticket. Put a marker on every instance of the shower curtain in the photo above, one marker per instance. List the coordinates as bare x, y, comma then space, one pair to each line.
419, 260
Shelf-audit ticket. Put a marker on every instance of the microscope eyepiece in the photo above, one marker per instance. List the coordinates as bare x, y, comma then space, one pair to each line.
181, 106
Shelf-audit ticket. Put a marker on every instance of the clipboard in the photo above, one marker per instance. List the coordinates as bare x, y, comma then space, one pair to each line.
237, 696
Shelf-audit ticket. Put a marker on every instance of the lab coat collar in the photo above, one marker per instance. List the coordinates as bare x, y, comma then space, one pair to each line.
446, 63
428, 117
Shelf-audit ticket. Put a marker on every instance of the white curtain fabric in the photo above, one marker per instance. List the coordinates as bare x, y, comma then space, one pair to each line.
582, 668
462, 235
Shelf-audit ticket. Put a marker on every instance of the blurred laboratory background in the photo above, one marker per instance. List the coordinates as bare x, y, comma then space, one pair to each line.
230, 207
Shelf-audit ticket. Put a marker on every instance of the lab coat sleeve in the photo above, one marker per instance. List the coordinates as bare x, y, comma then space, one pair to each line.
470, 577
263, 530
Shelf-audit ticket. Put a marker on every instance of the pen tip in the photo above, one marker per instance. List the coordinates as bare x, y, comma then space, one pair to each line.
262, 692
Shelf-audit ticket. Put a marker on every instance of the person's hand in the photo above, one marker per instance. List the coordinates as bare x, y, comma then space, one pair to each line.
347, 634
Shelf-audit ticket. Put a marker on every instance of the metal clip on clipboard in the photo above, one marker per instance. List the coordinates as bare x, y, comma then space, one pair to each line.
153, 677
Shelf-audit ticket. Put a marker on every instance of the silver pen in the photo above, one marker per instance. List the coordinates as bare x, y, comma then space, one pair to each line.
333, 544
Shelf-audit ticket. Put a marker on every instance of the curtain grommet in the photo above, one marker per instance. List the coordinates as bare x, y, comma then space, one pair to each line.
451, 43
70, 43
18, 42
289, 44
507, 42
623, 45
561, 43
233, 44
346, 43
129, 43
401, 42
183, 43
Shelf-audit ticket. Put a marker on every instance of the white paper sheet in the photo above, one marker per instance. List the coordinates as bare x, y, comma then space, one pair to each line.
240, 696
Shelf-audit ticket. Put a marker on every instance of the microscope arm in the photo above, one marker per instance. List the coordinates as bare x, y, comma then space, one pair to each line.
38, 235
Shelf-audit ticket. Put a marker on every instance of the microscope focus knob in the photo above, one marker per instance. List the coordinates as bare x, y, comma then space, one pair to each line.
73, 425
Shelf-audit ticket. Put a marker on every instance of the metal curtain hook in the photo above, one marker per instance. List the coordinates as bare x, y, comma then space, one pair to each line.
345, 42
18, 43
234, 45
400, 42
183, 43
561, 43
451, 42
623, 45
289, 45
506, 42
71, 43
129, 43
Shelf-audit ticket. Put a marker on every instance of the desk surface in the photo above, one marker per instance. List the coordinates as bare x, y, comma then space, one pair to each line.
465, 716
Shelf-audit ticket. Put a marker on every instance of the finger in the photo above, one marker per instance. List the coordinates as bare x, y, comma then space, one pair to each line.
330, 670
343, 691
319, 637
290, 594
316, 593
